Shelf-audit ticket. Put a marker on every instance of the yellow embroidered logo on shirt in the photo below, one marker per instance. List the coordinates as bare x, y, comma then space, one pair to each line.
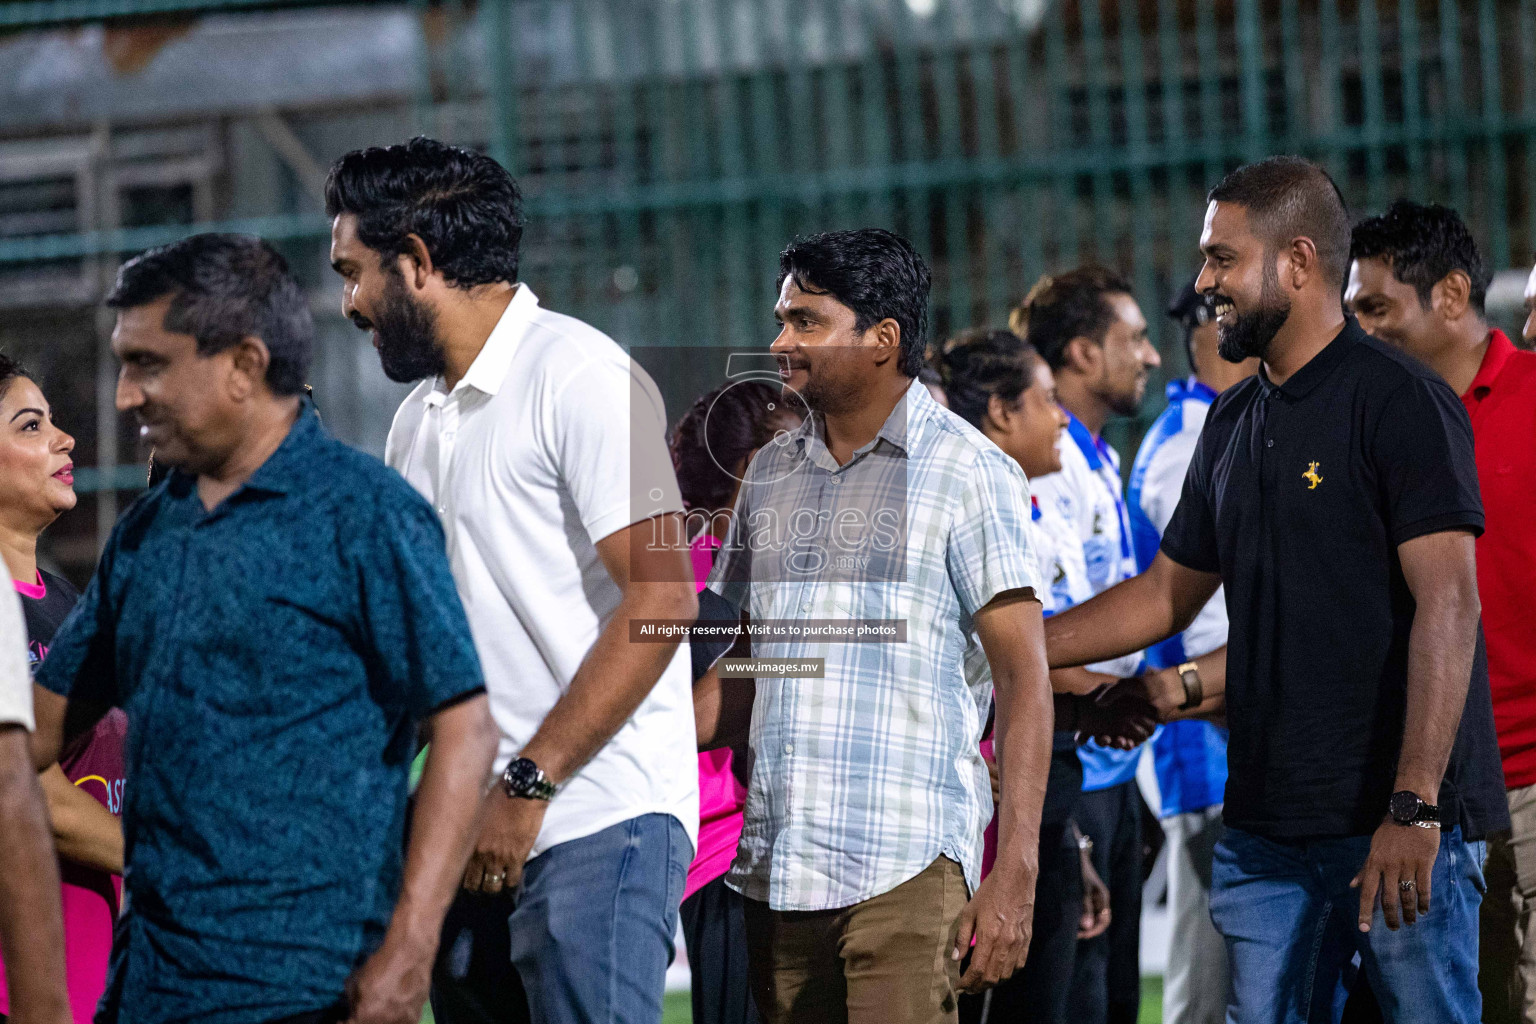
1312, 476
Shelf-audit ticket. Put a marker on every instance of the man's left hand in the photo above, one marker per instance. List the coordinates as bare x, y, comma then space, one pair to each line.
392, 985
511, 826
1399, 854
1000, 918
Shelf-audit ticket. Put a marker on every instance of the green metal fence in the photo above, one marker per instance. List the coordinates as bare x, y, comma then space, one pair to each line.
669, 148
1006, 141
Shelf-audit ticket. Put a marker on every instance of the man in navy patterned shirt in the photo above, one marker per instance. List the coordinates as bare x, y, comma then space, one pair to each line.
276, 617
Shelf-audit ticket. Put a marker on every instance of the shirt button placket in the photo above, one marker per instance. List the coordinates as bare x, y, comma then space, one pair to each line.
450, 428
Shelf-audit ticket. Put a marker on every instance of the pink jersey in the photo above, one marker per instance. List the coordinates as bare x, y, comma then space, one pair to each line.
94, 763
722, 799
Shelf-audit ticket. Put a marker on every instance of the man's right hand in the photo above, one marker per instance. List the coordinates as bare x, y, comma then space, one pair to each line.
1119, 717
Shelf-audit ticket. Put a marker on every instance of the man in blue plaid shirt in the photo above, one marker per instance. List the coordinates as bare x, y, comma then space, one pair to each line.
861, 854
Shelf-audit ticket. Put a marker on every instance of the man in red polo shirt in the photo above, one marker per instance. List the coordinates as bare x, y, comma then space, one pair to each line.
1416, 280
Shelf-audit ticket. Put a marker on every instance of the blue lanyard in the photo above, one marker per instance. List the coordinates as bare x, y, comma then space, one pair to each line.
1097, 453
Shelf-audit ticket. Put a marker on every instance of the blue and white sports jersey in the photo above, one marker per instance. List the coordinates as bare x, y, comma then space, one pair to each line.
1060, 554
1063, 574
1087, 496
1191, 757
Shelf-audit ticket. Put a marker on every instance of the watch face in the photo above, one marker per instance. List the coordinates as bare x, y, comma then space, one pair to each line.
1405, 806
521, 774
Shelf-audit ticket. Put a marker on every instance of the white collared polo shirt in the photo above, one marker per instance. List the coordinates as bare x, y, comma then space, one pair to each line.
554, 440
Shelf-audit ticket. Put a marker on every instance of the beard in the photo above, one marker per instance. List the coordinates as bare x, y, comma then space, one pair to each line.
1128, 403
827, 391
408, 345
819, 398
1250, 333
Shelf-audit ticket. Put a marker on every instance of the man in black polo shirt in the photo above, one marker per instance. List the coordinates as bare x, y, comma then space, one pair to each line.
1335, 495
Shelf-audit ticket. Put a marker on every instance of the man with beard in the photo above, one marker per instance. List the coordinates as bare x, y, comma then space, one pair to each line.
1334, 494
861, 854
1092, 333
276, 617
543, 447
1416, 280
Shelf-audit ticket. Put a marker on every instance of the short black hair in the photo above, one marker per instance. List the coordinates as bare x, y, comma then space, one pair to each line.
874, 272
464, 206
1061, 307
1287, 197
1422, 244
226, 287
981, 362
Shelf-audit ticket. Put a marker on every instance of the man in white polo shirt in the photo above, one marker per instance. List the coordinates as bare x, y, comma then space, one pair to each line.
542, 446
31, 922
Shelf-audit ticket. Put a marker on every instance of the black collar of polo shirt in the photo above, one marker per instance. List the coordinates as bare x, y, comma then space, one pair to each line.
1318, 367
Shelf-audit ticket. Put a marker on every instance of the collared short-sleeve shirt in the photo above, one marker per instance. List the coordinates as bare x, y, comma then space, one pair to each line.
274, 656
553, 440
863, 777
1299, 495
1502, 404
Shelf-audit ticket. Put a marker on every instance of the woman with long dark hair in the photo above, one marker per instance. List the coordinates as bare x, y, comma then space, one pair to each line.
85, 790
711, 446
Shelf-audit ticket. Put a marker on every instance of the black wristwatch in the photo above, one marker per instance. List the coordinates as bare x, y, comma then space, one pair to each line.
522, 778
1407, 809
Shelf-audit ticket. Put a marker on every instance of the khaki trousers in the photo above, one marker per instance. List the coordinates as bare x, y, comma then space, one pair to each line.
1507, 939
883, 961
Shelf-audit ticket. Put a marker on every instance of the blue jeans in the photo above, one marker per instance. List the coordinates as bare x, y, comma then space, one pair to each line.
586, 938
1289, 919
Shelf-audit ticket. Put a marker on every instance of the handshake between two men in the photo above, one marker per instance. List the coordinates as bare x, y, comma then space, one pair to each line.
1124, 713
